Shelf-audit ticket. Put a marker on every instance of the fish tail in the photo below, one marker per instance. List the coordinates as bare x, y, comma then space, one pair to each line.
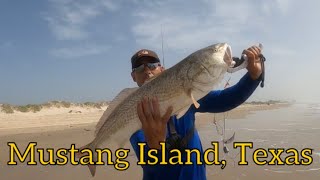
79, 154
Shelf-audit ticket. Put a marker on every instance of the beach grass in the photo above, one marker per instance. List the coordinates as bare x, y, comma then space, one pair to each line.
10, 109
7, 108
28, 108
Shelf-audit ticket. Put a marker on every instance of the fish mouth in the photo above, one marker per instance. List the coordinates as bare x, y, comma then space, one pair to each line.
228, 56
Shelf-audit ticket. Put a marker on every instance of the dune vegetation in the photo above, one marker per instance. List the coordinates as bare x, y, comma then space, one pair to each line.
9, 109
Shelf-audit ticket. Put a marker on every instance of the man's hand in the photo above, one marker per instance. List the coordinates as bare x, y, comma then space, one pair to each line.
254, 64
153, 125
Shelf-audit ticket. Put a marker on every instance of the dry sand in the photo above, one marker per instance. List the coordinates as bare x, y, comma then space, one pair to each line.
49, 119
59, 128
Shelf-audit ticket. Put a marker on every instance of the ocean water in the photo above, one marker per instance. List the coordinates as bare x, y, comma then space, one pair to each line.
297, 126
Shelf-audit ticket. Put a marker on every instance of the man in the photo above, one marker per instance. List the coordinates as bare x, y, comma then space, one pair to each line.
156, 129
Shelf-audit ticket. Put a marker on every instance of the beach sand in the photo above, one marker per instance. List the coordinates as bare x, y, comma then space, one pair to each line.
59, 128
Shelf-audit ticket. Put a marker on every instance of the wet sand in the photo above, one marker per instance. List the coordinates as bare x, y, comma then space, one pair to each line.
265, 126
297, 126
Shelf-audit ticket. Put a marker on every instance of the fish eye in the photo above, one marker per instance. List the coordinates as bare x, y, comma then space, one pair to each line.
215, 50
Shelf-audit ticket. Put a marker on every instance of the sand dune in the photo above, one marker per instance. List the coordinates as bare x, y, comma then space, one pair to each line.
49, 119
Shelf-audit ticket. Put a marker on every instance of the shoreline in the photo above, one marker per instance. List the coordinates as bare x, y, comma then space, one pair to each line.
62, 119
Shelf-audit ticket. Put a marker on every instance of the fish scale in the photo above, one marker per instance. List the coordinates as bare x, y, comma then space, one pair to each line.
180, 86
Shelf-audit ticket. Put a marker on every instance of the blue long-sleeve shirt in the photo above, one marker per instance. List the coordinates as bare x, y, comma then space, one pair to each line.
214, 102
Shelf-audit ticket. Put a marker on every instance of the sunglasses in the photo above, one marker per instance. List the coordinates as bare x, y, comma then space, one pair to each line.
151, 66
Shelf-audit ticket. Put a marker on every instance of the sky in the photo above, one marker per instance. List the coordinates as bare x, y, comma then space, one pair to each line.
79, 50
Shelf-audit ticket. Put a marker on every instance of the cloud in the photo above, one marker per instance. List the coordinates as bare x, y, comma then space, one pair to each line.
68, 19
67, 32
204, 22
287, 29
80, 51
283, 5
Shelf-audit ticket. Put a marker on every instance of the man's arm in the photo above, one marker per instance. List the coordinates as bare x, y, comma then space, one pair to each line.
153, 131
229, 98
139, 137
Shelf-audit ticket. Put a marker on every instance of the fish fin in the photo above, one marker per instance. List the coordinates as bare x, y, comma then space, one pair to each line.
114, 103
182, 111
92, 167
196, 104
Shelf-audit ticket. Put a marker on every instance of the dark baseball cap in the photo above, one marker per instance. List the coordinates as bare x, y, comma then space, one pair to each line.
143, 53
